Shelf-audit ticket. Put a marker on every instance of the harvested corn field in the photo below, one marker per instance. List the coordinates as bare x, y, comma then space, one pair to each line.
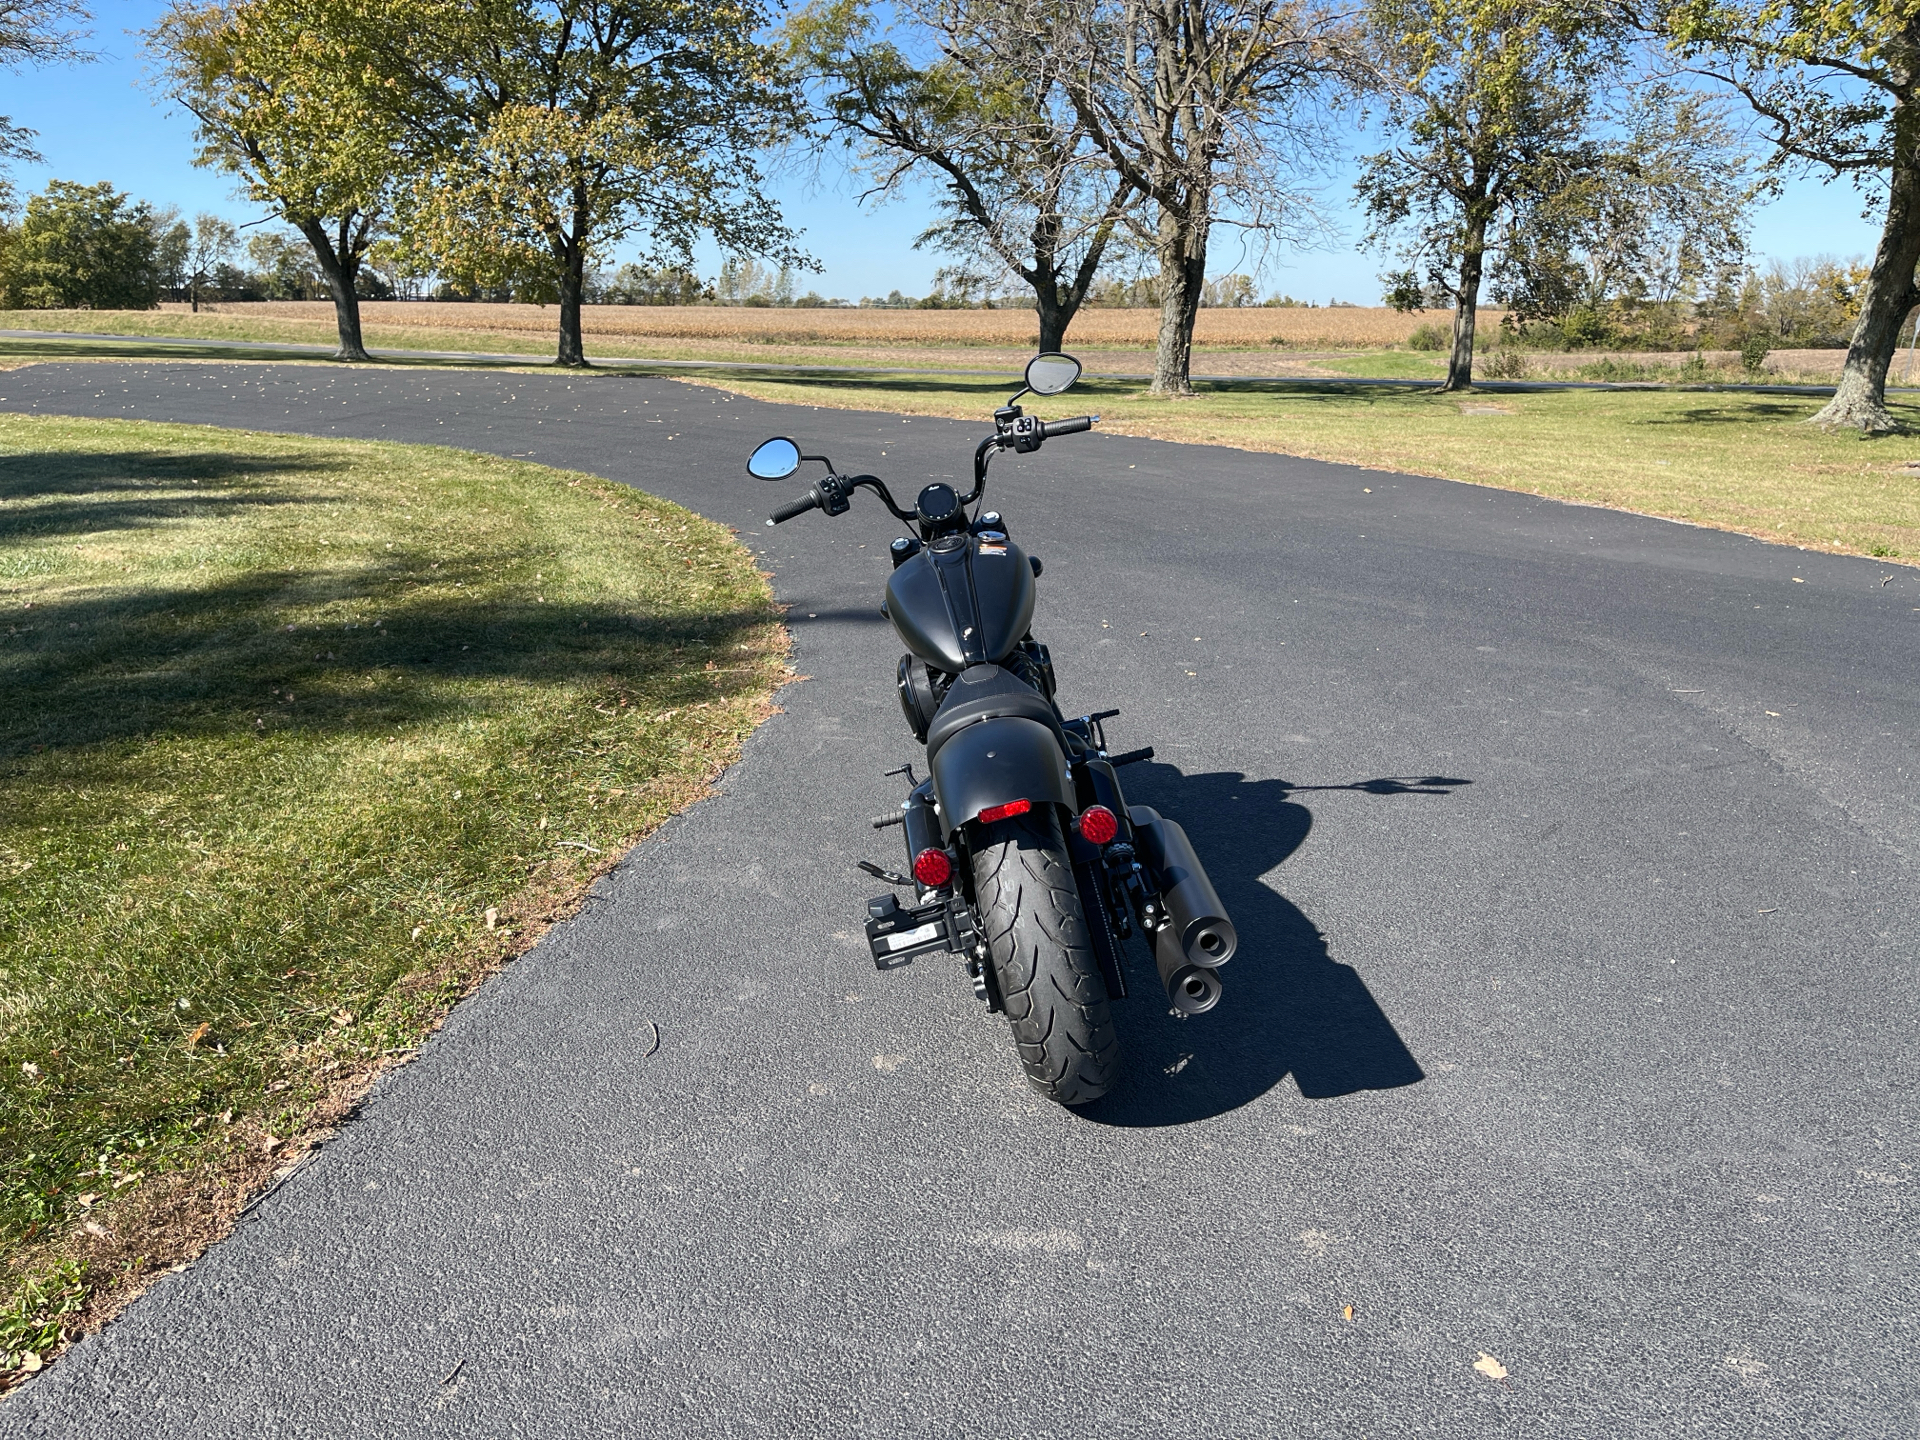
1333, 329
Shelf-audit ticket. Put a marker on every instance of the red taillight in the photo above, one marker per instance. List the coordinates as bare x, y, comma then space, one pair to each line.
1098, 824
1006, 811
932, 868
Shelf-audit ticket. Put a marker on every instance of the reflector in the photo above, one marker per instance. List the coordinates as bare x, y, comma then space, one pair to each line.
1098, 824
1006, 811
932, 867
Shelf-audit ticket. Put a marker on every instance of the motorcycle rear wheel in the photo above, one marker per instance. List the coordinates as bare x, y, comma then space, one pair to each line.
1050, 984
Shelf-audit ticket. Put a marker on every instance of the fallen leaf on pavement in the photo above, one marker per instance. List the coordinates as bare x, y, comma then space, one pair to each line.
1347, 1313
1490, 1367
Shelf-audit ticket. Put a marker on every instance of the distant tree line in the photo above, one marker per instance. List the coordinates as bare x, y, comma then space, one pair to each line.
1586, 165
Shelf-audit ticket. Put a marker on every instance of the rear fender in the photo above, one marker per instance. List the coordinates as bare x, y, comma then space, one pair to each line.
996, 762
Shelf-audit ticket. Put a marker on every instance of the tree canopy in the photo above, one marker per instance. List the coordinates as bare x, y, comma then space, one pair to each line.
553, 129
1213, 109
278, 104
82, 247
1022, 192
36, 32
1836, 86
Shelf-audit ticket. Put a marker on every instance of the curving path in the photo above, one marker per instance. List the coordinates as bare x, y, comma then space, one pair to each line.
1593, 1053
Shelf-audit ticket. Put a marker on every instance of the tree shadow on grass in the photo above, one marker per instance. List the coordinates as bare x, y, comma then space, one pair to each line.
61, 492
1749, 413
1288, 1007
343, 643
222, 658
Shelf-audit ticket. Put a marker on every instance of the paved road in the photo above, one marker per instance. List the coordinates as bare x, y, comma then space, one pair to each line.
1596, 1055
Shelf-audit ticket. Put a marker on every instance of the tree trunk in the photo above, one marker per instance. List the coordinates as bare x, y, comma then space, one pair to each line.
1183, 276
340, 268
1059, 302
1054, 316
572, 286
1467, 307
1860, 402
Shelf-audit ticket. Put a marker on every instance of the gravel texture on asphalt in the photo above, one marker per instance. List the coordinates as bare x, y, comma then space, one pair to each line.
1573, 1024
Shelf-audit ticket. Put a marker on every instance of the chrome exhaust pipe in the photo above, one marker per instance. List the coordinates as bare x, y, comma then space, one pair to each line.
1197, 927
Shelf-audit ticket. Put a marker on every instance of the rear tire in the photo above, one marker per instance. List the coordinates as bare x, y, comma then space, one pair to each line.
1050, 983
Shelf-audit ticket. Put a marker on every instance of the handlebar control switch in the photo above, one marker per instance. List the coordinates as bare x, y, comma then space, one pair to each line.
835, 495
1028, 432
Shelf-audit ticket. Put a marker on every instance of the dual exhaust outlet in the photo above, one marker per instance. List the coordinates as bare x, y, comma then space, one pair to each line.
1195, 936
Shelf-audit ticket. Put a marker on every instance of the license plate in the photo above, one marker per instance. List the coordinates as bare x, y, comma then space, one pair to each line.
914, 937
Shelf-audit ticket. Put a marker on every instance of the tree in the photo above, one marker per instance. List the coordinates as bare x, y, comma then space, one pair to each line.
36, 32
989, 118
1493, 101
563, 126
1210, 108
661, 285
82, 247
1657, 218
1836, 84
214, 243
284, 265
280, 104
172, 251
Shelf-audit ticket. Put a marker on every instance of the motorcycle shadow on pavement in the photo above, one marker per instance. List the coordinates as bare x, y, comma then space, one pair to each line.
1289, 1008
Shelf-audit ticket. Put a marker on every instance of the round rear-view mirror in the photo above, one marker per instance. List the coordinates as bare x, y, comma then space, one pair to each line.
1051, 374
775, 460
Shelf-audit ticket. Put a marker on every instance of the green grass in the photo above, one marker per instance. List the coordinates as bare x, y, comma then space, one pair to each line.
281, 723
1389, 365
1734, 459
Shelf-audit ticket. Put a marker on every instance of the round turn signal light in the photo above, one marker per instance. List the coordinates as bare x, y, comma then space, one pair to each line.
932, 868
1098, 825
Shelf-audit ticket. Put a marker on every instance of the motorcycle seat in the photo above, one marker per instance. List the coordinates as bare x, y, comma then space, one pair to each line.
986, 692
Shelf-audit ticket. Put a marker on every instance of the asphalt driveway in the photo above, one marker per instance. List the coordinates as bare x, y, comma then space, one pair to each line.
1573, 1026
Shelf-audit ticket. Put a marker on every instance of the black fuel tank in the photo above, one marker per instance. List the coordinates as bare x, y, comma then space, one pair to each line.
966, 600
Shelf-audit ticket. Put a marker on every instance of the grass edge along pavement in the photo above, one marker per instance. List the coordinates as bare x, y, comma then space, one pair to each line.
1729, 457
301, 740
1735, 459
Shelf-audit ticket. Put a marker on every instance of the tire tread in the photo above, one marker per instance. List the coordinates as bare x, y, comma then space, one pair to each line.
1050, 982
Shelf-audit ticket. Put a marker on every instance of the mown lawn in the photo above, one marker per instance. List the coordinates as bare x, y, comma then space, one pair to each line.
297, 740
1735, 459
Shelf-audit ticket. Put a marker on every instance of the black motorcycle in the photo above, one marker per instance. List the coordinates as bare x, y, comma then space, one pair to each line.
1024, 857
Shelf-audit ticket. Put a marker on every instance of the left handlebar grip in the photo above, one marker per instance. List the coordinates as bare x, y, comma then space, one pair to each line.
798, 507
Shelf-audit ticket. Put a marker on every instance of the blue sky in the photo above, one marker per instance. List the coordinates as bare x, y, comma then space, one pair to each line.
97, 123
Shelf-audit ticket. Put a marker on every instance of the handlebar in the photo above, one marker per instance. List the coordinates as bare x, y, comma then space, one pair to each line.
1051, 428
832, 493
798, 507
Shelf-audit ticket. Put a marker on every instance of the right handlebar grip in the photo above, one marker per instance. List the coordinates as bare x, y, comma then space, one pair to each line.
798, 507
1051, 428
